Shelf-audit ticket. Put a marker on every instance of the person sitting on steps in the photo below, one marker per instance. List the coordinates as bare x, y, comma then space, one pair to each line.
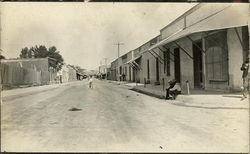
173, 90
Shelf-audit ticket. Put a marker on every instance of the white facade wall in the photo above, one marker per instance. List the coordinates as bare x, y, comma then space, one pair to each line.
235, 56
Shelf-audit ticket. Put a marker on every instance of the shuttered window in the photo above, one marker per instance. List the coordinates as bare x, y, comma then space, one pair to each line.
167, 62
217, 57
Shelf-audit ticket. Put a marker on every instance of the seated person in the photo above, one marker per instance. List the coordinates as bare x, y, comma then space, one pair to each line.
173, 90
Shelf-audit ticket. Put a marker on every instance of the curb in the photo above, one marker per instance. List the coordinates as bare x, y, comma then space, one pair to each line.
148, 93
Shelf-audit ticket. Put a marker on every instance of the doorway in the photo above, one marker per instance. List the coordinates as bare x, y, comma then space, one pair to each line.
177, 65
157, 70
197, 64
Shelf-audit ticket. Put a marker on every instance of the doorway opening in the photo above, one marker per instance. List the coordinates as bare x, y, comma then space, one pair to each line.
198, 64
177, 65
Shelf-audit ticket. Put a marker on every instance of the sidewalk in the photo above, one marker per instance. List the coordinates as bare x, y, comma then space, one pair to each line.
197, 98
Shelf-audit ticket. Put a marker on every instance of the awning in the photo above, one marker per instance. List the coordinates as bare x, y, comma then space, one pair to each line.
133, 59
233, 15
133, 63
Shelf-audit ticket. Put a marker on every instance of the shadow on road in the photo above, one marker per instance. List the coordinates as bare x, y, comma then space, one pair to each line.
74, 109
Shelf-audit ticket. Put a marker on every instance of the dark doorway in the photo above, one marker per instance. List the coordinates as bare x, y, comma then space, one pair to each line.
148, 69
157, 70
133, 75
177, 65
197, 61
129, 73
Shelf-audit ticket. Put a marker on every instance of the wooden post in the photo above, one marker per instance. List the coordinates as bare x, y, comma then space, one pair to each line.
187, 82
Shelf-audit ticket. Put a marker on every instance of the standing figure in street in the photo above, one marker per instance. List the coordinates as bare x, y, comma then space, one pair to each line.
91, 82
245, 68
123, 77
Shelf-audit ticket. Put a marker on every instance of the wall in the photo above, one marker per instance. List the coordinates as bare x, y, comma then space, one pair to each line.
113, 68
152, 67
118, 73
235, 58
24, 72
71, 74
186, 63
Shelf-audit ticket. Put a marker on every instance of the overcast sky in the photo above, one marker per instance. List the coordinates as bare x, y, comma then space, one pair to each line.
84, 33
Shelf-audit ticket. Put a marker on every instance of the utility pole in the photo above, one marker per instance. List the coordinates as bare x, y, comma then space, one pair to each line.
118, 45
106, 68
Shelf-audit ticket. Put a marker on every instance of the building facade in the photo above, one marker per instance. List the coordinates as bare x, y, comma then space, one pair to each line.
204, 48
209, 49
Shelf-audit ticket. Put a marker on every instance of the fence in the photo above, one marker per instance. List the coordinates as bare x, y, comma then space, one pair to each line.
14, 76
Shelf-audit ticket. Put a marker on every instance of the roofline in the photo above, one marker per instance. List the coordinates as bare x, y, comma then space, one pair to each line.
25, 59
148, 41
181, 16
126, 53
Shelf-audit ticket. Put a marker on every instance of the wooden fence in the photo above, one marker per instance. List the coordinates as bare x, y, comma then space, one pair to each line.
14, 76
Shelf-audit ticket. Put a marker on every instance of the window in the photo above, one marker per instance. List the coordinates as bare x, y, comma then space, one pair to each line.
167, 62
120, 70
125, 70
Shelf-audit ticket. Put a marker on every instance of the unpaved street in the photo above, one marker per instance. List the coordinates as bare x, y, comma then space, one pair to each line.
111, 117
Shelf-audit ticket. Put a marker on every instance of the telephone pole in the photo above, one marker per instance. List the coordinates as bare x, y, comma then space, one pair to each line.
106, 67
118, 45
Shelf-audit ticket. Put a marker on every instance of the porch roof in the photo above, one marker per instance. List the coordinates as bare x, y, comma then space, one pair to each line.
133, 59
229, 17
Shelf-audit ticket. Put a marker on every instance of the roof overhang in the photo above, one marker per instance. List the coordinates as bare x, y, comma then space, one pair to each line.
130, 61
229, 17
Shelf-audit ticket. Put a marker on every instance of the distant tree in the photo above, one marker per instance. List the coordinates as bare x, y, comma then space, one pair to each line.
2, 57
24, 53
42, 52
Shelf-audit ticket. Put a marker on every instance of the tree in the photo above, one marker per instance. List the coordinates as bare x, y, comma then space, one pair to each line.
24, 53
2, 57
42, 52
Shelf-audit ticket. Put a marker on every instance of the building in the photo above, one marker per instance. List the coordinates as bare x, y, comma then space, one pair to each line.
103, 71
67, 74
145, 65
130, 67
114, 70
28, 71
206, 46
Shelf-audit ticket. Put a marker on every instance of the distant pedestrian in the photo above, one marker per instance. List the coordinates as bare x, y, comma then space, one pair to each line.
123, 77
245, 69
90, 82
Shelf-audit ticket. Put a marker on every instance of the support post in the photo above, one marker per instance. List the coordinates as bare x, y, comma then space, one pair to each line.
187, 82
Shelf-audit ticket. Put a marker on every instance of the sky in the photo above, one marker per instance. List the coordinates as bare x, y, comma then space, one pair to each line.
84, 33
